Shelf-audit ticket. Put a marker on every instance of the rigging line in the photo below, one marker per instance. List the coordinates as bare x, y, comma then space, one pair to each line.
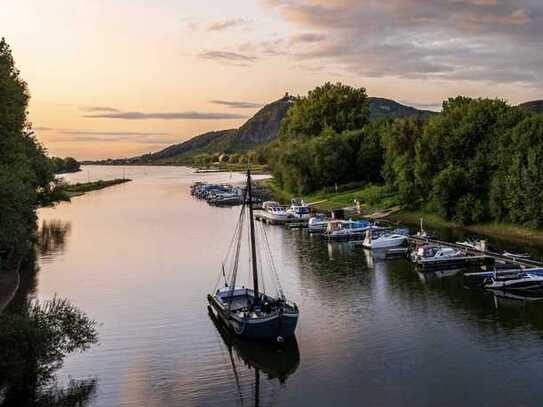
260, 267
235, 268
272, 264
228, 252
249, 258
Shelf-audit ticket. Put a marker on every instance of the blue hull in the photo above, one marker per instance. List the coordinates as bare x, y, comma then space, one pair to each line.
275, 327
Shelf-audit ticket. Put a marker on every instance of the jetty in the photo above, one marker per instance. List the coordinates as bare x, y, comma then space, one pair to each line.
473, 257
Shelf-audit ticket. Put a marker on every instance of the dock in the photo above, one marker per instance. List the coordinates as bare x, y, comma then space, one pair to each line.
473, 257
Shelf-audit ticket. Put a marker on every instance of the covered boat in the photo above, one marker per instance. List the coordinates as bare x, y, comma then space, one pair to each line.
249, 312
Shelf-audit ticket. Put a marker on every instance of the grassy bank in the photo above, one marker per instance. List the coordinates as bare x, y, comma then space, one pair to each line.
504, 231
236, 167
372, 198
82, 187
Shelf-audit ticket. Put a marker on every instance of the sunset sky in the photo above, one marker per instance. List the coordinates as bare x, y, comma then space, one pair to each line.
116, 78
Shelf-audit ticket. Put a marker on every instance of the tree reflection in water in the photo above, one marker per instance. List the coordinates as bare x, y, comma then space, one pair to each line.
51, 237
36, 337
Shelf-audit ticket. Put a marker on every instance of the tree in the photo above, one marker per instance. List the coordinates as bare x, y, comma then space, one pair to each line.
335, 106
26, 176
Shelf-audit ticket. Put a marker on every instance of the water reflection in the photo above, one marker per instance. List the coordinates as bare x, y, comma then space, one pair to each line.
276, 362
52, 236
27, 370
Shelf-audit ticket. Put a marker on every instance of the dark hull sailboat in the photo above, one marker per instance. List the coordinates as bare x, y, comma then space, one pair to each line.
250, 313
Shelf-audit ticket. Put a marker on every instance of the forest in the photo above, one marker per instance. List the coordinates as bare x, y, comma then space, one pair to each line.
479, 160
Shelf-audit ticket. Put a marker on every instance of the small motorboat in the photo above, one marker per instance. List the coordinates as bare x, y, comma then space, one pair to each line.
520, 282
427, 252
346, 229
274, 212
298, 209
317, 223
379, 239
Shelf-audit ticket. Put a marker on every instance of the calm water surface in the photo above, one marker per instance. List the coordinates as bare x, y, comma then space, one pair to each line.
140, 258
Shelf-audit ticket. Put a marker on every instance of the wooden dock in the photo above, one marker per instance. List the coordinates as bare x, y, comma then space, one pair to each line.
473, 257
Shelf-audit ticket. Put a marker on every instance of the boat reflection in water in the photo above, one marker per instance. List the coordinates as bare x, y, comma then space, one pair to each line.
276, 361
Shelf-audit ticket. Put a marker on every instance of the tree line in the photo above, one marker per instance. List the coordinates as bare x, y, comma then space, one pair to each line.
478, 160
27, 174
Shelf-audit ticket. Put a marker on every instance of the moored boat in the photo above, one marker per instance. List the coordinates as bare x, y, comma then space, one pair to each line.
317, 223
299, 210
251, 313
520, 282
346, 229
379, 239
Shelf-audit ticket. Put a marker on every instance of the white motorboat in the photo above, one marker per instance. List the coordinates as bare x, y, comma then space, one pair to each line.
521, 282
427, 252
383, 240
274, 212
317, 223
299, 209
346, 229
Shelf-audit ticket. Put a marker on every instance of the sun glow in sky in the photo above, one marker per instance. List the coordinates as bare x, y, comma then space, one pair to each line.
116, 78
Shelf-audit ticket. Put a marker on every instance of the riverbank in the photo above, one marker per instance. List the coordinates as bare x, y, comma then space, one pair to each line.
512, 233
376, 202
232, 167
81, 188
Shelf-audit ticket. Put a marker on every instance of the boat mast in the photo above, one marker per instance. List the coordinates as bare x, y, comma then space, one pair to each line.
252, 228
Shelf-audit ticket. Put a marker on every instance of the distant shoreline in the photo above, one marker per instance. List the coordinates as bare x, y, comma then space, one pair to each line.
81, 188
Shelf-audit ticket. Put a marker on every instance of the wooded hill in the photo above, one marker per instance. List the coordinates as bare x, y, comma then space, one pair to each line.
260, 129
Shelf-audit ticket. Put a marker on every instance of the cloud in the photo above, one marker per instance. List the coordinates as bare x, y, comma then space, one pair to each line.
79, 136
237, 105
475, 40
226, 24
164, 116
436, 106
228, 57
308, 37
99, 109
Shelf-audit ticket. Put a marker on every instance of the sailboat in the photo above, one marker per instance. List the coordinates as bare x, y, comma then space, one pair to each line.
249, 312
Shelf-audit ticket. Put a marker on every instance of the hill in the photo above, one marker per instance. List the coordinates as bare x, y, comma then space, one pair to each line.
259, 129
381, 108
533, 106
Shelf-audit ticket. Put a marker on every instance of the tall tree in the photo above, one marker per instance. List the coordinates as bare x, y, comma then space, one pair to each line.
25, 171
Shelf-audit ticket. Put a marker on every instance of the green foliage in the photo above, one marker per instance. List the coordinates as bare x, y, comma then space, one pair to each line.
26, 176
323, 141
400, 139
34, 343
82, 187
517, 190
335, 106
65, 165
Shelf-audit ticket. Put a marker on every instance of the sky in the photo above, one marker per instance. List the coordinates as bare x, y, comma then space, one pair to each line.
117, 78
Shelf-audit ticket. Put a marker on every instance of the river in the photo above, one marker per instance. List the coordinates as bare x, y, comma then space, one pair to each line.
140, 258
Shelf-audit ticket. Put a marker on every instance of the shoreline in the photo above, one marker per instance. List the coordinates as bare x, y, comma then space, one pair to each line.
81, 188
343, 199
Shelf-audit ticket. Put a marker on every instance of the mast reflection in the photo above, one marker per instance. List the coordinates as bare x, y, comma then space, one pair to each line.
276, 361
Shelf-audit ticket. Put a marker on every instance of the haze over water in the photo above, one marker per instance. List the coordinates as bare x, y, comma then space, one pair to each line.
141, 257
